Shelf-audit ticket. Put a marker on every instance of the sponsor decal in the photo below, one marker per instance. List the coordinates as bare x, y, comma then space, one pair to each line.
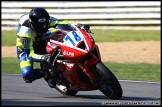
67, 53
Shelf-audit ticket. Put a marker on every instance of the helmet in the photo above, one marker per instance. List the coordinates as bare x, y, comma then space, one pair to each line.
39, 19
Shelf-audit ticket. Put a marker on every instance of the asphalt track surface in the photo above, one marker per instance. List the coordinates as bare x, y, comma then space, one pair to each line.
15, 92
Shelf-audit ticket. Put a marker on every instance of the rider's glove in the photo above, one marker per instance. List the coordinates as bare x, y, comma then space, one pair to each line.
46, 58
84, 26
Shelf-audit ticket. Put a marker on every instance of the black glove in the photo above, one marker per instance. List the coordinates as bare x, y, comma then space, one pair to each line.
84, 26
46, 58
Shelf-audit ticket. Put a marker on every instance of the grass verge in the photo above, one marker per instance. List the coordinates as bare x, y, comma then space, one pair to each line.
112, 35
142, 71
100, 35
138, 71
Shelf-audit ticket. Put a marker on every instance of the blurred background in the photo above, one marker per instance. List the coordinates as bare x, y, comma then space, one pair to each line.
109, 14
127, 33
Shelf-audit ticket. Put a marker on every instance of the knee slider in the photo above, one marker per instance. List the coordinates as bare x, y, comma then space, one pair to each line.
26, 72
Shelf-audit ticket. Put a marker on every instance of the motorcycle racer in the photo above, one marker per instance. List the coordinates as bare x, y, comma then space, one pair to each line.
32, 28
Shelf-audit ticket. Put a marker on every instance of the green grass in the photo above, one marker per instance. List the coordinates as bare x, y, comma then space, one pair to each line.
8, 37
11, 65
140, 71
145, 72
101, 35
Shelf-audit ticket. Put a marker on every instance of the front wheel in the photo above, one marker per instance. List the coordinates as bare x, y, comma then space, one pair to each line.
107, 82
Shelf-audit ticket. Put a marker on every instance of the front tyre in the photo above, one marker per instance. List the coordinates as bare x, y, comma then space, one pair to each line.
107, 82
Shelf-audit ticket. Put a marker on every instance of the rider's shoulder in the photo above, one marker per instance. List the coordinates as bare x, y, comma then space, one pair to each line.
23, 18
24, 30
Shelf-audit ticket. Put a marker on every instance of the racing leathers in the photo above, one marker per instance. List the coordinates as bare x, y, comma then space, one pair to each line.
25, 46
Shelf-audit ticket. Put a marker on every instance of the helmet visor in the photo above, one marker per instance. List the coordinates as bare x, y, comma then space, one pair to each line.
40, 27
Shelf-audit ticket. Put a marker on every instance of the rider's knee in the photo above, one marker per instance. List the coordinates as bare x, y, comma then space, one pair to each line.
26, 72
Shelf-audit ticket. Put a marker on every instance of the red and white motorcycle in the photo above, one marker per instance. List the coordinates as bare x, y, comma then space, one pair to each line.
79, 66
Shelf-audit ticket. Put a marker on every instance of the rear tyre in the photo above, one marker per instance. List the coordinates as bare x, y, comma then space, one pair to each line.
107, 82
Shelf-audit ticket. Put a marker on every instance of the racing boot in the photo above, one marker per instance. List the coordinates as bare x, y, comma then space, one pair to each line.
27, 80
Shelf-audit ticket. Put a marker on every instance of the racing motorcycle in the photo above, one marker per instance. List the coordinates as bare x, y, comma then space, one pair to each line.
76, 64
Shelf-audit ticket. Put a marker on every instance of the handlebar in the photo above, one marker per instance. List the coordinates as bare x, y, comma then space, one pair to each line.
89, 31
61, 57
56, 55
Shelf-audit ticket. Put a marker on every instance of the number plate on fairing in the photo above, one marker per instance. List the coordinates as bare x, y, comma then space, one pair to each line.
73, 38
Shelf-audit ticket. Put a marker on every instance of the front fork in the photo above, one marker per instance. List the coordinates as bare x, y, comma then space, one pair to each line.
89, 63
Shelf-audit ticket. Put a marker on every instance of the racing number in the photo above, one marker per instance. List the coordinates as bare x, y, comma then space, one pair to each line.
76, 38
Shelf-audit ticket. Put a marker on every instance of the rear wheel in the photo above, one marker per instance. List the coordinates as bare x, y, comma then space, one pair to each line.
107, 82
